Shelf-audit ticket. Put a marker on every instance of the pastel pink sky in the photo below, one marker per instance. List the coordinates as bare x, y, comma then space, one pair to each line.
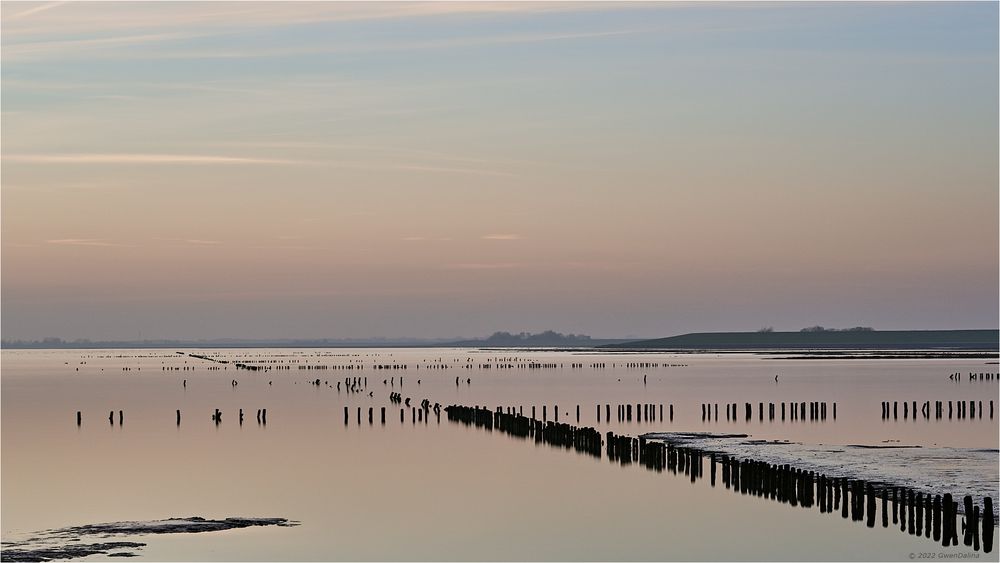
337, 170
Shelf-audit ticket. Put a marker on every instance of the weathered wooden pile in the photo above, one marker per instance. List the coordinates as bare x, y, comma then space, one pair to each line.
960, 409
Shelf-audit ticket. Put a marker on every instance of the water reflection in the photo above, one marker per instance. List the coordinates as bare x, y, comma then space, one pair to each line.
918, 514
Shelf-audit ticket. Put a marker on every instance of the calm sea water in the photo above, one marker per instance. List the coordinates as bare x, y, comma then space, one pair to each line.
438, 490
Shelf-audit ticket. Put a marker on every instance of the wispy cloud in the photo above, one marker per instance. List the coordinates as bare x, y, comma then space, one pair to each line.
76, 47
483, 266
429, 239
193, 241
411, 152
129, 158
509, 236
81, 18
388, 47
87, 242
31, 11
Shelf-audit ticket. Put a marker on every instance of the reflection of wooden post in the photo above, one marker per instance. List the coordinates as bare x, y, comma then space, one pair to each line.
975, 526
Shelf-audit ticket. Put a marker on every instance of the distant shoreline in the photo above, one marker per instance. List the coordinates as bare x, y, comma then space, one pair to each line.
889, 341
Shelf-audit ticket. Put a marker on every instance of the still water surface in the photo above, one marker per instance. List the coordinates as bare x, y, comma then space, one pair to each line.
438, 490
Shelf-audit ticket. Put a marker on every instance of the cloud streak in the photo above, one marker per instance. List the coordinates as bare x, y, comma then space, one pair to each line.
31, 11
87, 242
134, 158
483, 266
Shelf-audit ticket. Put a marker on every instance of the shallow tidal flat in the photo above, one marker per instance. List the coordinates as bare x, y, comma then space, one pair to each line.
424, 486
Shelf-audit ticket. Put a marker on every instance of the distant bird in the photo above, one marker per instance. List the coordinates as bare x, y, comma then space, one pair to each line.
775, 378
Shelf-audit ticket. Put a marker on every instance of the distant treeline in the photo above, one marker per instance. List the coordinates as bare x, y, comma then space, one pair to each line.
819, 328
861, 338
546, 339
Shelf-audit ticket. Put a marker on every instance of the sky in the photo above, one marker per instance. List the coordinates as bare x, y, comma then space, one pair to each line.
339, 170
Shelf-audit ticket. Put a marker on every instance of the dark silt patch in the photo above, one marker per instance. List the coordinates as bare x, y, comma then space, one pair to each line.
70, 551
65, 543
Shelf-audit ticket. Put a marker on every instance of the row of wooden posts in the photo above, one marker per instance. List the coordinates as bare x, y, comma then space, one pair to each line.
644, 412
216, 417
985, 376
814, 410
960, 409
417, 414
918, 513
584, 440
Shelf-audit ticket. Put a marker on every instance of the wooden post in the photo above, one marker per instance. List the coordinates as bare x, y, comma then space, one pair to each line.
885, 508
919, 513
936, 522
988, 524
968, 518
178, 417
79, 418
